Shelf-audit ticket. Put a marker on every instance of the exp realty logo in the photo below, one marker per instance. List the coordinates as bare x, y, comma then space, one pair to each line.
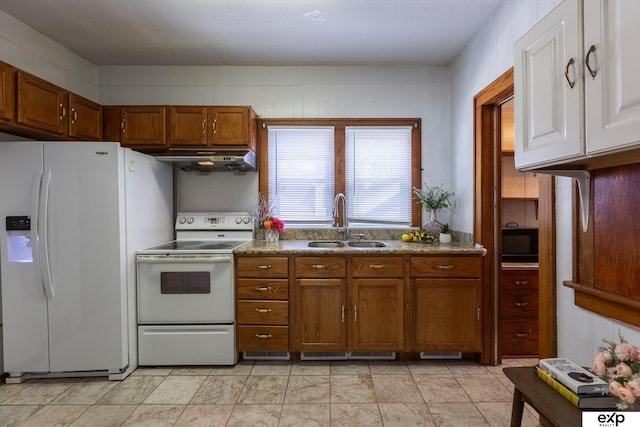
610, 419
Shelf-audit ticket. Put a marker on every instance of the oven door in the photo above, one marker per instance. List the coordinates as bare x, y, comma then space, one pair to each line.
185, 289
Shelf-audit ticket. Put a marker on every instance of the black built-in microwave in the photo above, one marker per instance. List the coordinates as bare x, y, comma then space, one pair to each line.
519, 245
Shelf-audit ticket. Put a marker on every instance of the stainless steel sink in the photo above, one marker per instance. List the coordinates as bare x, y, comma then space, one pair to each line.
366, 244
325, 244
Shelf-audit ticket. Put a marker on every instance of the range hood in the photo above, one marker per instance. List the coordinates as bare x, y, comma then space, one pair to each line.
237, 160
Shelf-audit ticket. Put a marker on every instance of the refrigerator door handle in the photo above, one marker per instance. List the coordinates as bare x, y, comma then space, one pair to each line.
43, 244
35, 213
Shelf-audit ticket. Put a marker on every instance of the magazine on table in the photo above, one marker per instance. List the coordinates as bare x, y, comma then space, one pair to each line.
576, 378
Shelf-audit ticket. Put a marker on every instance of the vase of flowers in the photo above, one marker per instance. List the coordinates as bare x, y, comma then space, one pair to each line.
272, 228
434, 199
619, 365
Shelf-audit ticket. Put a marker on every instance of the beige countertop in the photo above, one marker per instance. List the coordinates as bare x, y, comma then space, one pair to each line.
396, 247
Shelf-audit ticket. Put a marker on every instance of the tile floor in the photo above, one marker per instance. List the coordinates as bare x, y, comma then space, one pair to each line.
269, 393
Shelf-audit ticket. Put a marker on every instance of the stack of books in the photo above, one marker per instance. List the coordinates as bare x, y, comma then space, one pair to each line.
575, 383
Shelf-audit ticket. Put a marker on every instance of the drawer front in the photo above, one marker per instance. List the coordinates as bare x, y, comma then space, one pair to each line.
320, 267
372, 266
263, 312
519, 279
519, 337
263, 338
519, 304
446, 266
277, 289
262, 267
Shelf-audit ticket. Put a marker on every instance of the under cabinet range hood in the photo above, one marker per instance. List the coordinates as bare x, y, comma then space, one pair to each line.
237, 160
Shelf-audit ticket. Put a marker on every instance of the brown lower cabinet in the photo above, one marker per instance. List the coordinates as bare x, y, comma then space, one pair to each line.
262, 303
518, 312
359, 303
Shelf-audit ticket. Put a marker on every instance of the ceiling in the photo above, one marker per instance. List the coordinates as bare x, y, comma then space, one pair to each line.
257, 32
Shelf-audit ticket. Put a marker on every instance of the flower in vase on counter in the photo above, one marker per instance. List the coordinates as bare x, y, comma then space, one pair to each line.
619, 364
274, 224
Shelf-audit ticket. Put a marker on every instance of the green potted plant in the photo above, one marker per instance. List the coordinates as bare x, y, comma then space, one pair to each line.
445, 234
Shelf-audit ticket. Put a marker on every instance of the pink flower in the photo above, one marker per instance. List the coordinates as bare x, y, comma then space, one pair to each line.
600, 364
634, 386
614, 388
626, 395
626, 352
623, 370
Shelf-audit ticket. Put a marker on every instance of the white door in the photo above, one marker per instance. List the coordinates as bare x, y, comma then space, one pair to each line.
87, 255
613, 94
24, 305
548, 110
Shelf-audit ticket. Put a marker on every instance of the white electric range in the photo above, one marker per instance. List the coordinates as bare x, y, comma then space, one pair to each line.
186, 303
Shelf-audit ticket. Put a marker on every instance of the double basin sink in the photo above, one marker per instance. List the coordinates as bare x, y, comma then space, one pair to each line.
339, 244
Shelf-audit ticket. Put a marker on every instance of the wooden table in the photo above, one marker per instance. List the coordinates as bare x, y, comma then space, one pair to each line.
554, 409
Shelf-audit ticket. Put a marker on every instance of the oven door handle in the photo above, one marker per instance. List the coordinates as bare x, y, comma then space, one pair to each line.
174, 260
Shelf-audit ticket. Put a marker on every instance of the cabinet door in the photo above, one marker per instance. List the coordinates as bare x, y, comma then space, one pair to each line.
377, 317
447, 315
143, 127
548, 111
611, 32
85, 119
41, 105
230, 126
321, 315
188, 126
7, 92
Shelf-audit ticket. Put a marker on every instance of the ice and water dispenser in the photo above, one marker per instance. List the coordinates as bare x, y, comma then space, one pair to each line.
19, 239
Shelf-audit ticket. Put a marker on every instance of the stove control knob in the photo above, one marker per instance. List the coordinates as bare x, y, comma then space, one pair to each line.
182, 220
238, 220
190, 220
246, 220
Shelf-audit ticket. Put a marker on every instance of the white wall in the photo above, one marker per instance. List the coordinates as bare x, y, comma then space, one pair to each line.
28, 50
291, 92
484, 59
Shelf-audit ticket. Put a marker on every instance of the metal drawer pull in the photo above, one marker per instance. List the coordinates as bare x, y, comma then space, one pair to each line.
566, 73
263, 310
342, 313
355, 313
264, 336
521, 282
319, 266
445, 266
63, 111
204, 127
263, 288
263, 267
74, 114
521, 304
520, 335
123, 125
378, 266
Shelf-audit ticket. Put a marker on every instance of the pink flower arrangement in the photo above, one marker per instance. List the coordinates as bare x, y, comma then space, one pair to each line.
619, 364
274, 224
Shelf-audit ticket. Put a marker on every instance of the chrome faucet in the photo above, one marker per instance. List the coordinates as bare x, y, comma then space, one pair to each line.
341, 199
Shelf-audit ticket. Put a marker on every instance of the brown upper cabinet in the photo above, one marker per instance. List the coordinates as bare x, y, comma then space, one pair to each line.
85, 118
7, 92
228, 126
42, 105
143, 128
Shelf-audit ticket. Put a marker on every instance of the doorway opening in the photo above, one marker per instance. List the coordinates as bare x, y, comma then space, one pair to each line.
487, 222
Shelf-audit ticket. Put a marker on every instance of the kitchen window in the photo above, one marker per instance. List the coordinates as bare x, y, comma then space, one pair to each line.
375, 163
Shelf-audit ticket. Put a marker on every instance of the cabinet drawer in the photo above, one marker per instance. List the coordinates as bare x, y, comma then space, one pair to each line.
519, 279
258, 312
446, 266
519, 304
376, 266
263, 338
320, 267
519, 336
262, 267
277, 289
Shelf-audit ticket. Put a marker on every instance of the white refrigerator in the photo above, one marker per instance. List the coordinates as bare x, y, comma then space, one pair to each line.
74, 214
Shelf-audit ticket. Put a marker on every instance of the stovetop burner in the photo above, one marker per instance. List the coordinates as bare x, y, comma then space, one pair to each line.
201, 246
